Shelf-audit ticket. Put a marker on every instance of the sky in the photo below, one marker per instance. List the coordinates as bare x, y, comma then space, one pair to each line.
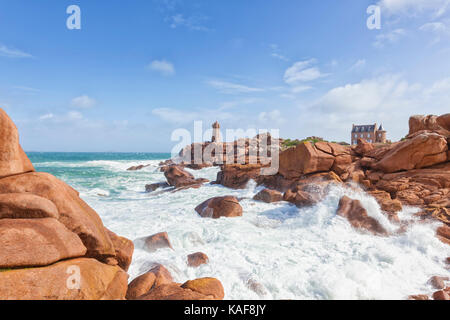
138, 70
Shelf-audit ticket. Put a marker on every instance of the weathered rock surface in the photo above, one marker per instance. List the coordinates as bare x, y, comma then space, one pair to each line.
26, 206
197, 259
438, 282
152, 279
60, 281
155, 186
180, 178
268, 196
36, 242
173, 291
355, 213
217, 207
206, 286
424, 150
13, 159
124, 249
157, 241
74, 213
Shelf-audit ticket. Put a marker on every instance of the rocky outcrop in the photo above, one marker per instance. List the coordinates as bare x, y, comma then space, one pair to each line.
206, 286
157, 241
236, 176
36, 242
424, 150
124, 249
268, 196
74, 213
53, 245
157, 284
355, 213
74, 279
197, 259
26, 206
155, 186
217, 207
155, 277
429, 123
180, 178
13, 159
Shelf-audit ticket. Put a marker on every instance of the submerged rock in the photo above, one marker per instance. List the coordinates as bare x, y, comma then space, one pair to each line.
155, 277
197, 259
355, 213
268, 196
157, 241
217, 207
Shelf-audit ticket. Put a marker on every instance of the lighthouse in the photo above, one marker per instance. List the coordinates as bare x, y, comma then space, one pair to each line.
216, 132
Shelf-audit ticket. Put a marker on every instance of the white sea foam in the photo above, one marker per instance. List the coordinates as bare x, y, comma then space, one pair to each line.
292, 253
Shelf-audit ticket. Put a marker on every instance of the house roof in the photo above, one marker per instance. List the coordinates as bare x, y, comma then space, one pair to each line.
364, 128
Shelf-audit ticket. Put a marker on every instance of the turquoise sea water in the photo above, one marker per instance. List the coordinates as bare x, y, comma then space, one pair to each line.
306, 253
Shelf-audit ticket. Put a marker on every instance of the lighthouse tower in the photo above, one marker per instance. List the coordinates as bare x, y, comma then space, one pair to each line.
216, 132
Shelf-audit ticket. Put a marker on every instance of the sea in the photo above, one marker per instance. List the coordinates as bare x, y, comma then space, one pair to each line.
274, 251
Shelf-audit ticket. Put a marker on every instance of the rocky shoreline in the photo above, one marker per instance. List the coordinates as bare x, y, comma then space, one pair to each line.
54, 246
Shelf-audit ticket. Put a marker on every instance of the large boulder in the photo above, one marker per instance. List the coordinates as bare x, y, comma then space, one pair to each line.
36, 242
74, 213
363, 147
13, 159
75, 279
124, 249
424, 150
155, 277
268, 196
357, 215
197, 259
429, 123
206, 286
180, 178
157, 241
173, 291
26, 206
303, 159
217, 207
236, 176
444, 121
301, 197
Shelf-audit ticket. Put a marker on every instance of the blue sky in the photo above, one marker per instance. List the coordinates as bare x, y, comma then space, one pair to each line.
137, 70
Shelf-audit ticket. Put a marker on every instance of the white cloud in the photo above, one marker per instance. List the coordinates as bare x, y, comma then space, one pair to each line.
183, 117
302, 71
414, 7
74, 115
361, 63
389, 99
299, 89
389, 37
83, 102
13, 53
163, 67
193, 22
232, 88
47, 116
438, 28
271, 117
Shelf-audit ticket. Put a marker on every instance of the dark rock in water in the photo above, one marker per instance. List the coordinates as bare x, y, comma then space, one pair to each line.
176, 176
197, 259
156, 277
217, 207
438, 282
355, 213
441, 295
419, 297
268, 196
157, 241
155, 186
139, 167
